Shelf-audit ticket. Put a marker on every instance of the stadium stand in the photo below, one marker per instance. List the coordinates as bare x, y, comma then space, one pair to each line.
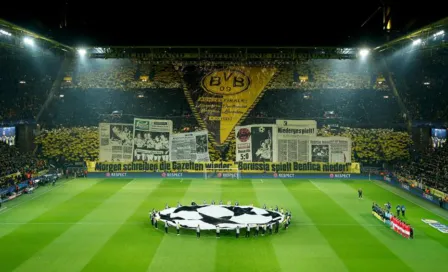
16, 166
25, 81
347, 98
431, 169
422, 82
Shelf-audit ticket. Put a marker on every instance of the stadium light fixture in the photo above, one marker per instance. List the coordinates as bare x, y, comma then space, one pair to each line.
82, 52
61, 95
364, 52
417, 42
28, 41
6, 33
440, 33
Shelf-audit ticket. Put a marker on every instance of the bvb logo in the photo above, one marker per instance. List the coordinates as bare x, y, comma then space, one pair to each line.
225, 82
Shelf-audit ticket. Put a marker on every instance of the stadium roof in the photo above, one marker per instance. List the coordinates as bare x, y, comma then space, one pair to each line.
18, 34
431, 31
14, 36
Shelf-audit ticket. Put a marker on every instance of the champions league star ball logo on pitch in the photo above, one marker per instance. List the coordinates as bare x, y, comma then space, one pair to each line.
243, 134
227, 217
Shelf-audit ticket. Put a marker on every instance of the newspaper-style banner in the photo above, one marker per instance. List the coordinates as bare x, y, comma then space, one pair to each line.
152, 139
330, 149
291, 143
256, 143
115, 142
189, 147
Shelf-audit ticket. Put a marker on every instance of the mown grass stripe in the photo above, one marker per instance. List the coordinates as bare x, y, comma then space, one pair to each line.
244, 254
25, 241
301, 247
132, 247
28, 207
426, 239
345, 240
78, 252
191, 254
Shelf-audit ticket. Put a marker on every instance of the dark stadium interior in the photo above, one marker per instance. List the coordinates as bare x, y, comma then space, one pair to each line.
323, 92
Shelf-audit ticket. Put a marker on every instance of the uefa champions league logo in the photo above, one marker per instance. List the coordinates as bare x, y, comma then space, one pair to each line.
163, 175
331, 175
275, 175
219, 175
107, 174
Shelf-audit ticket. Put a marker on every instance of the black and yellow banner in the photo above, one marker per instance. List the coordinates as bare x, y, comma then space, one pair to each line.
246, 167
221, 97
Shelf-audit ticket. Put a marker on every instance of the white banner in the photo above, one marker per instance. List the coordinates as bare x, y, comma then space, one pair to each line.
256, 143
115, 142
151, 139
293, 139
293, 128
330, 149
189, 147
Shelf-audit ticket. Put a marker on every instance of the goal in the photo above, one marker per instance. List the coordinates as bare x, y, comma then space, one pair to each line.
230, 173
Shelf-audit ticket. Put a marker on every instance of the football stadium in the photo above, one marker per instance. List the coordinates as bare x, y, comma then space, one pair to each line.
224, 158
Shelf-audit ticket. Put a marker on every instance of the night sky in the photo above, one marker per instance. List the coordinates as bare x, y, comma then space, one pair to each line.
270, 23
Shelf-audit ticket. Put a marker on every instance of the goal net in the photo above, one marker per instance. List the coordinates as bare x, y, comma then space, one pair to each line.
230, 173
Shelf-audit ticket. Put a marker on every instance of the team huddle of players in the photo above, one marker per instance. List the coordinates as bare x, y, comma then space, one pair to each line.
259, 229
156, 146
395, 222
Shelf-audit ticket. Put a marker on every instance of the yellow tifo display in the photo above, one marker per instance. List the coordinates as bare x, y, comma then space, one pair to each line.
245, 167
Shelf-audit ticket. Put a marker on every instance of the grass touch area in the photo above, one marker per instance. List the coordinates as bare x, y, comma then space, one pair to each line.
103, 225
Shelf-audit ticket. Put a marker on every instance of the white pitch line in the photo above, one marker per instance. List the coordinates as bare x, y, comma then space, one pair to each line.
34, 197
261, 180
144, 222
408, 199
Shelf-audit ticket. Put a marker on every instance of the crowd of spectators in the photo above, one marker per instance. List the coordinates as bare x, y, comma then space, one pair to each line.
310, 75
347, 92
69, 144
374, 146
422, 82
25, 82
430, 169
15, 165
362, 108
369, 146
123, 74
89, 107
13, 161
330, 75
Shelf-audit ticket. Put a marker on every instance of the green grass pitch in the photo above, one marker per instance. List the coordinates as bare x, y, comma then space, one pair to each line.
103, 225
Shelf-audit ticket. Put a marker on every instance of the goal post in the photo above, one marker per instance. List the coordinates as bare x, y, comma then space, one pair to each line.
231, 173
